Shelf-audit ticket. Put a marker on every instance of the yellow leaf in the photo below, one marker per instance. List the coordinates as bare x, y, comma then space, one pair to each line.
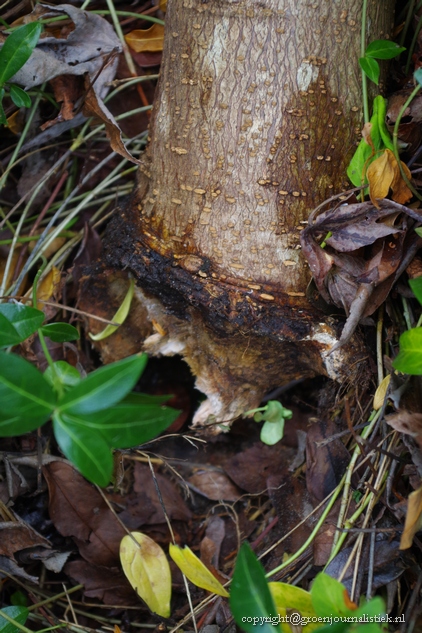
380, 175
146, 567
195, 570
380, 393
288, 598
384, 174
119, 317
48, 287
413, 521
148, 40
163, 5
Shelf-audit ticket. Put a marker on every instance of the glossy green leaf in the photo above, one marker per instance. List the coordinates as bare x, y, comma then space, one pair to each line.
409, 359
143, 398
250, 598
17, 49
89, 452
18, 322
371, 68
20, 614
383, 49
119, 317
65, 373
195, 570
416, 285
60, 332
105, 387
125, 426
27, 400
20, 98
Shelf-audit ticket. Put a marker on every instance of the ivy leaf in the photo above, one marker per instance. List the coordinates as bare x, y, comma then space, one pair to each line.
104, 387
123, 425
383, 49
19, 614
371, 68
250, 596
27, 400
416, 286
65, 373
20, 98
17, 49
18, 322
89, 452
409, 359
60, 332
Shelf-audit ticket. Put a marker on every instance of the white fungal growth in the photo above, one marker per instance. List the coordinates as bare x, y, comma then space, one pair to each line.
306, 74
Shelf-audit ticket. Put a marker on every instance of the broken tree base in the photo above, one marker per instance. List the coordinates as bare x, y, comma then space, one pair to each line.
239, 339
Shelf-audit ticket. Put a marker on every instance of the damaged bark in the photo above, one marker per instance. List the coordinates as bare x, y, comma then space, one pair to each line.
256, 116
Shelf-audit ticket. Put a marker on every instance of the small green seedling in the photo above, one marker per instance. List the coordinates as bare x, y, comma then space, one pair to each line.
14, 53
409, 359
273, 415
379, 49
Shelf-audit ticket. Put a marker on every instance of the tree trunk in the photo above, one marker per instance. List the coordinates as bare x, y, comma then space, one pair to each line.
257, 114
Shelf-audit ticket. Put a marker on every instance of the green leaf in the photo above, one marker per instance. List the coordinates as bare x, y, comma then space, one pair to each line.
417, 75
89, 452
381, 139
142, 398
104, 387
60, 332
27, 400
371, 68
383, 49
416, 285
124, 426
65, 373
330, 597
272, 432
250, 598
18, 322
17, 49
20, 98
409, 359
20, 614
119, 317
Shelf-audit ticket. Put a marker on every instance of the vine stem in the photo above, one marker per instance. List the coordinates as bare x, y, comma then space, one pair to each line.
362, 52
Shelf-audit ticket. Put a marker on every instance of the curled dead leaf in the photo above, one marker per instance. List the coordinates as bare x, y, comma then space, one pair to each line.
381, 392
413, 522
384, 174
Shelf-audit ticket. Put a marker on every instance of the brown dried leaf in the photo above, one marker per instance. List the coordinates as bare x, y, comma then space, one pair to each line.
380, 175
407, 422
78, 510
94, 106
413, 521
18, 536
149, 40
106, 584
215, 485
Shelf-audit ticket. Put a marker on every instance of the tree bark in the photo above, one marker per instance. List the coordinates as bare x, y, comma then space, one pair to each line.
257, 114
